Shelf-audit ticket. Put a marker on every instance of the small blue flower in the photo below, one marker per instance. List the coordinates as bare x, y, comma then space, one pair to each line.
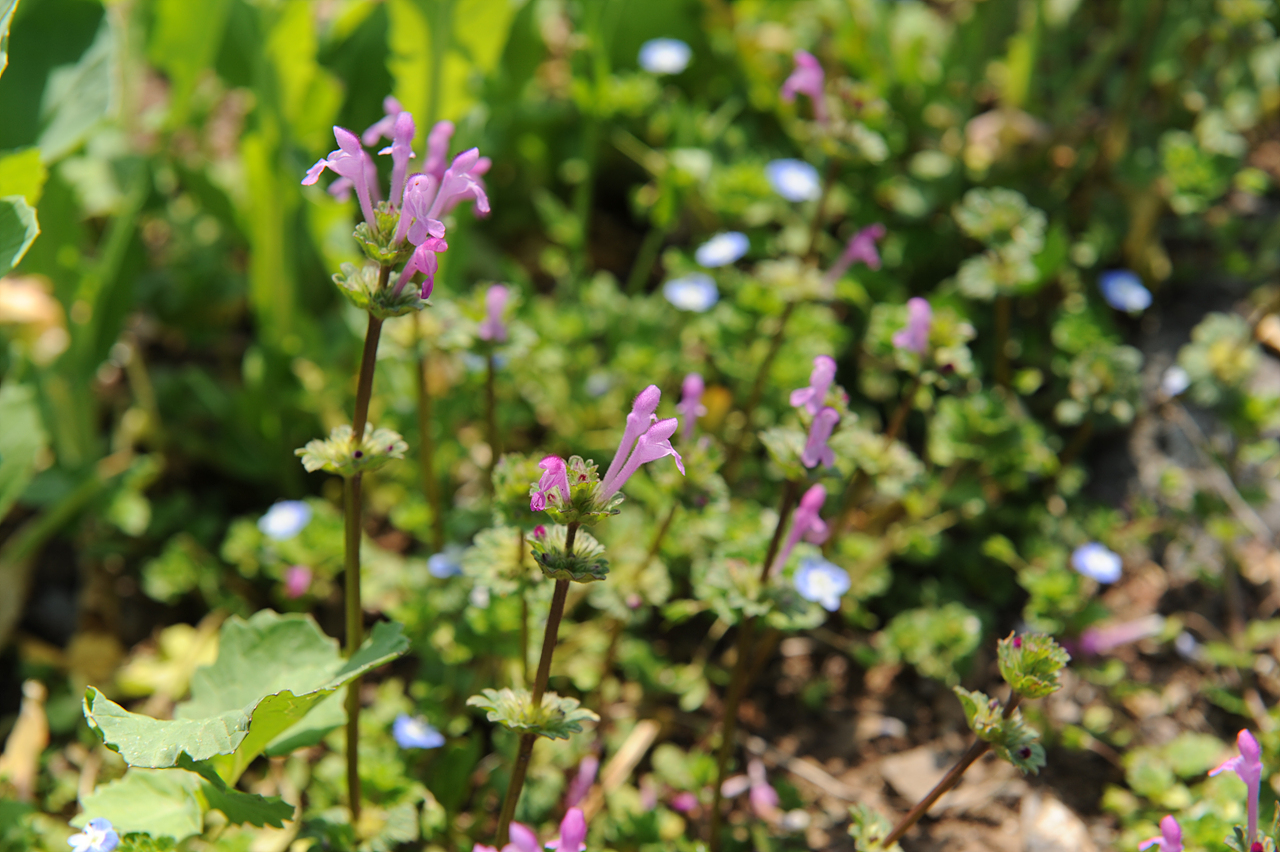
794, 180
819, 581
414, 732
447, 563
695, 292
1096, 561
665, 56
97, 836
1123, 291
722, 249
598, 384
1174, 381
285, 519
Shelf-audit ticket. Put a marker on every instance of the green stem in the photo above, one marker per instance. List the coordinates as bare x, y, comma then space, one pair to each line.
734, 455
549, 638
491, 416
645, 259
738, 680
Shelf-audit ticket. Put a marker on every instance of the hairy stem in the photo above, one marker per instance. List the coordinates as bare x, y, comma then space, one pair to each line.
549, 638
734, 456
738, 680
951, 779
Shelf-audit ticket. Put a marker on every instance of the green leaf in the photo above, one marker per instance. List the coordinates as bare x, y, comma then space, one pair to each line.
22, 173
239, 807
184, 42
79, 96
1030, 663
513, 708
21, 440
271, 671
153, 801
18, 229
339, 454
6, 18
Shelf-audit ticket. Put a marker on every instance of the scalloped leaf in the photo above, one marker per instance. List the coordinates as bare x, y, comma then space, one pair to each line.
338, 453
513, 708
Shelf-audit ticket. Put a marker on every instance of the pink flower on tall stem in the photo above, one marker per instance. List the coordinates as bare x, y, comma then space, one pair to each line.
1248, 765
642, 415
690, 406
861, 247
1169, 839
808, 78
495, 301
806, 524
915, 336
816, 450
556, 478
811, 399
349, 162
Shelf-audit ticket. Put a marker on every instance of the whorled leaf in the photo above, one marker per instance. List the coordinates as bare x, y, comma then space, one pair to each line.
1010, 738
585, 564
360, 284
1030, 663
557, 718
339, 454
868, 828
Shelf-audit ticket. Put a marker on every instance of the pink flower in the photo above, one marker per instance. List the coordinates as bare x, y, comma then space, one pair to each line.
438, 149
1170, 839
764, 799
384, 127
401, 151
915, 336
642, 414
1100, 640
581, 783
807, 79
297, 579
1248, 765
522, 839
651, 446
690, 406
461, 182
806, 524
573, 831
422, 260
813, 397
416, 222
861, 246
556, 478
350, 162
684, 802
493, 328
816, 450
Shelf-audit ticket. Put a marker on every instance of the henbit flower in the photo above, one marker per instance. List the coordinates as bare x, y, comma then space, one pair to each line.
495, 301
763, 798
642, 416
665, 56
522, 839
820, 581
695, 292
384, 127
98, 835
341, 189
651, 446
1099, 640
401, 151
582, 781
915, 336
794, 180
690, 406
861, 246
351, 162
684, 802
573, 831
1122, 289
816, 450
422, 260
285, 519
806, 524
1248, 765
416, 222
1174, 381
812, 398
297, 579
556, 477
438, 150
414, 732
461, 182
808, 78
1097, 561
1169, 839
722, 249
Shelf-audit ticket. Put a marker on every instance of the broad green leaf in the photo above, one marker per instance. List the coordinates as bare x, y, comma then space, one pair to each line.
158, 802
79, 96
270, 672
22, 173
309, 94
21, 440
268, 206
18, 230
239, 807
6, 18
184, 43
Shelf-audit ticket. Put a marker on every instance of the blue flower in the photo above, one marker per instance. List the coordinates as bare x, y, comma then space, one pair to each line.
414, 732
1096, 561
1123, 291
1174, 381
285, 519
696, 292
722, 249
97, 836
447, 563
665, 56
819, 581
794, 180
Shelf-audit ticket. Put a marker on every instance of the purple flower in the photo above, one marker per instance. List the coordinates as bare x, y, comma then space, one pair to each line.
438, 149
1248, 765
422, 260
665, 56
763, 798
573, 831
416, 222
915, 336
556, 478
812, 397
794, 180
1100, 640
820, 581
98, 835
401, 151
638, 421
522, 839
297, 579
722, 249
1096, 561
816, 450
1123, 291
861, 246
493, 328
285, 519
351, 162
581, 783
690, 406
383, 128
684, 802
806, 524
807, 79
651, 446
462, 182
1170, 839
